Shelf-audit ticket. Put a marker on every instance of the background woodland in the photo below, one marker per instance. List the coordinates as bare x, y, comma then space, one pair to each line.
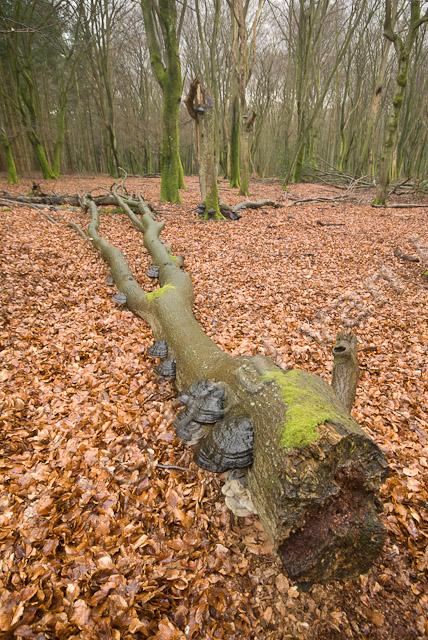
78, 93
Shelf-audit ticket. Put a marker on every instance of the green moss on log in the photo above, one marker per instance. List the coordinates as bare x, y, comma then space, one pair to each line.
157, 293
307, 407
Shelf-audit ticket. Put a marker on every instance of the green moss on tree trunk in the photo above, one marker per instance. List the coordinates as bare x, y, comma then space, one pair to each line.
212, 203
42, 158
12, 176
168, 74
59, 142
158, 293
171, 167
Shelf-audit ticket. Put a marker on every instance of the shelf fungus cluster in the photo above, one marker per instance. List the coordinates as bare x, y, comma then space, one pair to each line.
220, 444
167, 367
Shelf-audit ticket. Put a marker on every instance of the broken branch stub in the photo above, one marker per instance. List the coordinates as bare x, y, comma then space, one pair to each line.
313, 476
345, 369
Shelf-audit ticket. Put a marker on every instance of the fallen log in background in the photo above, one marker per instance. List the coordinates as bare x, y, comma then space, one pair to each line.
286, 436
58, 200
40, 200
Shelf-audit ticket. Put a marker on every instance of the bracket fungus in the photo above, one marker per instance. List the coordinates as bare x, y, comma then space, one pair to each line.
166, 369
159, 349
204, 402
228, 445
187, 429
119, 298
153, 271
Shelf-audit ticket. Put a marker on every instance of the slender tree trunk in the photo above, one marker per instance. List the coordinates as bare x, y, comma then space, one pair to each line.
59, 141
403, 48
235, 136
29, 122
114, 161
244, 188
171, 168
201, 108
12, 176
26, 95
366, 159
168, 75
41, 155
209, 160
246, 133
389, 146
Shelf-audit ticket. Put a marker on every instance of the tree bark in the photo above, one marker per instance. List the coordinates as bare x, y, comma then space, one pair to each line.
345, 369
200, 106
246, 131
315, 474
12, 176
58, 200
234, 145
403, 49
168, 75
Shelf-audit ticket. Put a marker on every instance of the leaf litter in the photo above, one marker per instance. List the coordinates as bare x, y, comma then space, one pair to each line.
96, 539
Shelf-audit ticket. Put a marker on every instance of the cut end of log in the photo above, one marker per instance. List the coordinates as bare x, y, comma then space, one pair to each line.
344, 537
341, 534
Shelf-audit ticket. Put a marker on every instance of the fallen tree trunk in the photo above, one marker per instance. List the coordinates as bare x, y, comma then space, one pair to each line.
293, 452
402, 205
57, 200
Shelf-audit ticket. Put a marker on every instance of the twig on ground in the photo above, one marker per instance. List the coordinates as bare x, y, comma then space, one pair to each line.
405, 256
172, 467
320, 223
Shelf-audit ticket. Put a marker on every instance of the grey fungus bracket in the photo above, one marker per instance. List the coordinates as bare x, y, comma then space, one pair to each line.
221, 443
153, 271
120, 299
228, 445
167, 369
159, 349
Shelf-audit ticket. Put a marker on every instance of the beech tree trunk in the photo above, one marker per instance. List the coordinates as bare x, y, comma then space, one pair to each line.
315, 474
200, 106
246, 131
167, 71
403, 49
234, 144
12, 176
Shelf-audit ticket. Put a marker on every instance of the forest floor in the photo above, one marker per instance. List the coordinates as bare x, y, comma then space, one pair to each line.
96, 541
